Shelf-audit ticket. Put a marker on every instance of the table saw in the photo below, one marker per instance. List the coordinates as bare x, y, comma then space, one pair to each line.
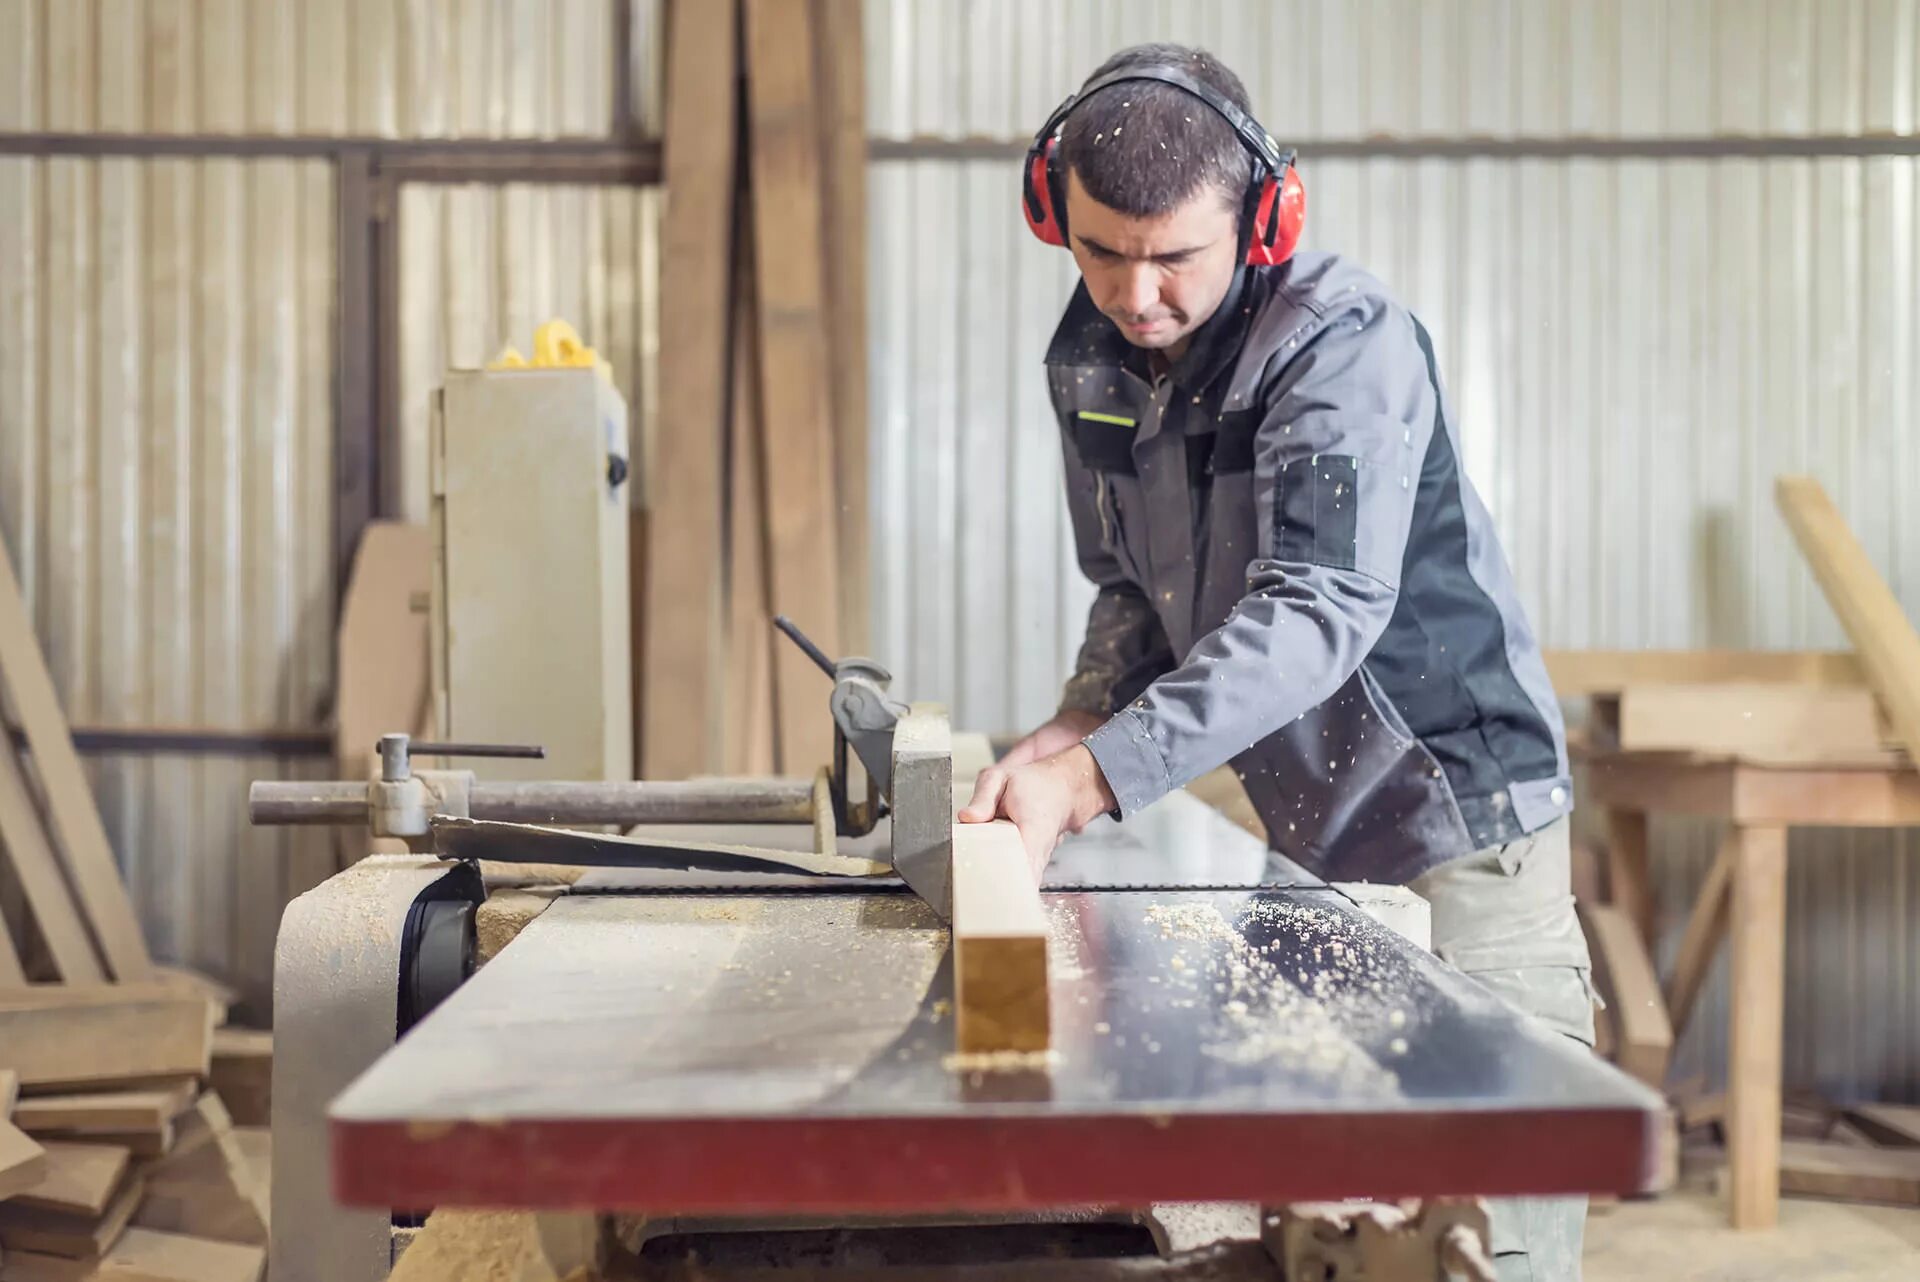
765, 1047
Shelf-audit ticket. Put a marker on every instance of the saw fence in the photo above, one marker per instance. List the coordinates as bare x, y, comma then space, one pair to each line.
756, 484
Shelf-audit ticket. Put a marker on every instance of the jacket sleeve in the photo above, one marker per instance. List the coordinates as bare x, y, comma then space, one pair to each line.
1345, 424
1125, 645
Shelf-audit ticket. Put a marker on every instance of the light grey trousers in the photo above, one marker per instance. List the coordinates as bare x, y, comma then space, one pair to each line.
1504, 916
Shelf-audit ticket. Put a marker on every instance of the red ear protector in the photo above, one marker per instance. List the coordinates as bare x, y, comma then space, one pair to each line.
1276, 205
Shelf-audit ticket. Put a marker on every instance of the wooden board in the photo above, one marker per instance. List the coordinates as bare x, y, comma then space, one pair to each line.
1841, 1170
22, 1160
242, 1074
999, 943
72, 1036
1643, 1039
1595, 672
130, 1111
839, 67
143, 1255
72, 817
79, 1179
1738, 718
206, 1186
382, 679
12, 973
24, 1228
680, 699
1888, 646
803, 566
1892, 1125
748, 694
30, 853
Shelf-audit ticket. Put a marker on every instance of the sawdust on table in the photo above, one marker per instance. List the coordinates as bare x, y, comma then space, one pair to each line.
1000, 1061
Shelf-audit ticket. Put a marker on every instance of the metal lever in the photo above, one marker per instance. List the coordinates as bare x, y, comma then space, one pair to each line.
807, 647
398, 750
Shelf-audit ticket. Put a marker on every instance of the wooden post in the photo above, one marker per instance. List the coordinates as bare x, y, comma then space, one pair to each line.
1628, 871
680, 703
1753, 1068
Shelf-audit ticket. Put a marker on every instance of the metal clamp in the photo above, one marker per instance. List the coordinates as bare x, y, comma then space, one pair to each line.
403, 801
865, 716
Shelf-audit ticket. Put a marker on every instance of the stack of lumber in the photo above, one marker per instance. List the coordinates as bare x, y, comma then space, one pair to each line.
1855, 1152
115, 1158
756, 484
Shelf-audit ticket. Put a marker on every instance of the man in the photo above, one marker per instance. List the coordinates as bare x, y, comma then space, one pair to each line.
1294, 573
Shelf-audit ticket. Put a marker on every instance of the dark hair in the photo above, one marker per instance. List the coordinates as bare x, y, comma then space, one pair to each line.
1145, 148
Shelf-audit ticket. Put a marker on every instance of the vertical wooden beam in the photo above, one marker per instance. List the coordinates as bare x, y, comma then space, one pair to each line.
1753, 1068
748, 694
1888, 645
72, 819
802, 510
999, 943
680, 703
356, 455
841, 69
1629, 875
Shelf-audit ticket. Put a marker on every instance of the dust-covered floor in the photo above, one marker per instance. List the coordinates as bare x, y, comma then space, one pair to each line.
1684, 1237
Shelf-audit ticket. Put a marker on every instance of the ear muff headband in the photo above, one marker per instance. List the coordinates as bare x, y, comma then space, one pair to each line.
1274, 213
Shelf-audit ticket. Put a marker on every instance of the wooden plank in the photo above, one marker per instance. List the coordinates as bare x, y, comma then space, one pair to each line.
242, 1074
145, 1110
1888, 646
1753, 1057
37, 869
840, 68
206, 1186
141, 1143
1766, 793
1643, 1037
1599, 672
143, 1255
1629, 875
23, 1161
802, 508
381, 641
1740, 718
218, 996
72, 818
748, 693
681, 674
1841, 1170
999, 943
1894, 1125
79, 1179
75, 1237
1706, 925
73, 1036
12, 973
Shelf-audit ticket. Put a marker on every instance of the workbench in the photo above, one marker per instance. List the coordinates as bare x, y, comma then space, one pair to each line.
1759, 799
1226, 1028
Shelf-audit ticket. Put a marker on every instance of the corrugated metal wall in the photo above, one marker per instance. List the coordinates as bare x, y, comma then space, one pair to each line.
365, 68
167, 363
166, 488
481, 267
1635, 347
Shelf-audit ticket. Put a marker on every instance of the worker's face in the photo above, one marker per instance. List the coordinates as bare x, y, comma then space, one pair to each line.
1158, 279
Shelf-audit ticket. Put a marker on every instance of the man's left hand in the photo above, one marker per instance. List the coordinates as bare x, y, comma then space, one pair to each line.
1044, 799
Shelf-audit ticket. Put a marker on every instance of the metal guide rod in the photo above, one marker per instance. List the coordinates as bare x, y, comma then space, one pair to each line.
541, 801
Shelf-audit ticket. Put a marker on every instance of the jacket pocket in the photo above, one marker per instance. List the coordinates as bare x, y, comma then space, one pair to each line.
1120, 500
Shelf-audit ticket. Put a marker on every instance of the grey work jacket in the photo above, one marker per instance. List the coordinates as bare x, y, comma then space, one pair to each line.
1295, 576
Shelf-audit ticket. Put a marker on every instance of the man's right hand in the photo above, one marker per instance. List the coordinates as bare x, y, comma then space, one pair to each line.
1066, 729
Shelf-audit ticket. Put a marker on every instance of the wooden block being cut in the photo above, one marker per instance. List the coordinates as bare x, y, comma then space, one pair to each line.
999, 943
119, 1111
142, 1255
78, 1237
1624, 973
1892, 1125
1839, 1170
70, 1036
79, 1178
242, 1073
